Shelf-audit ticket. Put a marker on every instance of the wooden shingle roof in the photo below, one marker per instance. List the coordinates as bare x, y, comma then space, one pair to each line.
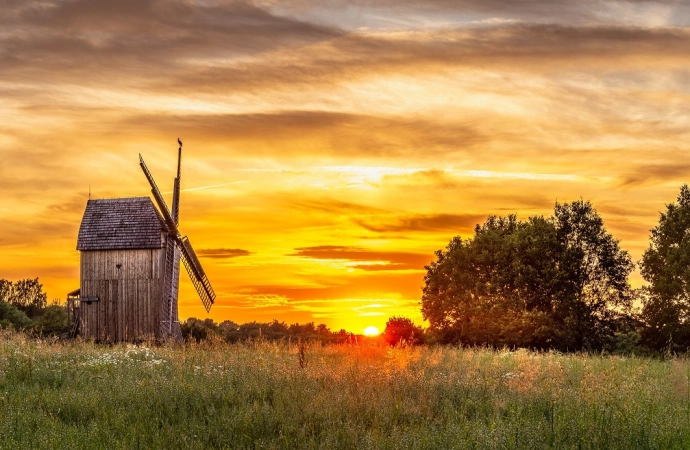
120, 223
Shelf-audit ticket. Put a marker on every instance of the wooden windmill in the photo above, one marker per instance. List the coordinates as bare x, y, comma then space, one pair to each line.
130, 267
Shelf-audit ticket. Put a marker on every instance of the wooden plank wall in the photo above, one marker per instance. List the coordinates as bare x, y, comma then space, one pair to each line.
130, 297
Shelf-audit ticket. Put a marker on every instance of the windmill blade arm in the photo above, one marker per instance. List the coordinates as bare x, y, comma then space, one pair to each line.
196, 273
176, 201
159, 198
176, 189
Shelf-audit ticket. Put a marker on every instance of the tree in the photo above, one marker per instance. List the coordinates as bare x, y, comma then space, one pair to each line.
401, 330
542, 283
27, 295
11, 316
596, 270
53, 321
198, 329
665, 265
5, 290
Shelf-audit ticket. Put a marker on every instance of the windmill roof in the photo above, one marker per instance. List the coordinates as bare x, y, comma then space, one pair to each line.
120, 223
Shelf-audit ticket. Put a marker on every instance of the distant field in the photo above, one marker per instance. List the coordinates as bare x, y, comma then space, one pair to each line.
82, 395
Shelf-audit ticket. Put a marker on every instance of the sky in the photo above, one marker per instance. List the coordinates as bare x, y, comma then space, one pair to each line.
331, 147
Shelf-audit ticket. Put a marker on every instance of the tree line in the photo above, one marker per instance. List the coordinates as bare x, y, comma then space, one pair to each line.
562, 283
198, 330
24, 306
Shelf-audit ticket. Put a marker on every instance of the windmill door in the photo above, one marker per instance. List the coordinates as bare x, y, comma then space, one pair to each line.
120, 315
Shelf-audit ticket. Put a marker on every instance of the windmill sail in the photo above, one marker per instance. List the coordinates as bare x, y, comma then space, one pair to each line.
158, 197
196, 273
189, 258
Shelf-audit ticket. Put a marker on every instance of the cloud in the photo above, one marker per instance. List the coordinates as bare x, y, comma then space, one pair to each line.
333, 206
407, 14
425, 223
650, 174
98, 39
526, 48
370, 260
74, 205
222, 252
238, 48
300, 132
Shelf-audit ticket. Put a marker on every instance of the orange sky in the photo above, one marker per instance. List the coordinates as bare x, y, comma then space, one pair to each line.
330, 150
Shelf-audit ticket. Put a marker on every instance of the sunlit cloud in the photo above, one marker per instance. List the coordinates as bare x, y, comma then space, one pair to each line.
222, 252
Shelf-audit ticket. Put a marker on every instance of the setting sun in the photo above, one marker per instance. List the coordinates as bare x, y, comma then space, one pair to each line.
371, 331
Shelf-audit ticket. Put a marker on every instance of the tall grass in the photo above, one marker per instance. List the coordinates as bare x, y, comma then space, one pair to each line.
81, 395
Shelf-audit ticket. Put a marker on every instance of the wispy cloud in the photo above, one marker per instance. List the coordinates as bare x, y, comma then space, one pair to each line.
424, 223
222, 252
366, 259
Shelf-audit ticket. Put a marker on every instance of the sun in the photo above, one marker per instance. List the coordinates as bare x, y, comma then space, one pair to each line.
371, 331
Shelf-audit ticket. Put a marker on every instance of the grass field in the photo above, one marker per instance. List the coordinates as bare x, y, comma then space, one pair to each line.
81, 395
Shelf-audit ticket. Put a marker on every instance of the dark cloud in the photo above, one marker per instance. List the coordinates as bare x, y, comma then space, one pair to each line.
514, 47
625, 210
193, 47
30, 233
332, 206
222, 252
366, 286
149, 38
410, 13
420, 223
306, 132
74, 205
650, 174
389, 260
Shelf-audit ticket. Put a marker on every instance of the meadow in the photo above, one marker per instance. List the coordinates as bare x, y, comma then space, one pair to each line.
263, 395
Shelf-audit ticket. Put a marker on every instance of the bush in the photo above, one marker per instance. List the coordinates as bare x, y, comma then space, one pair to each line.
53, 321
401, 330
11, 316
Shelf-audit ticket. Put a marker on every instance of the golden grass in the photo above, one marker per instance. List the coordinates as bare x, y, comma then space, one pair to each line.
258, 395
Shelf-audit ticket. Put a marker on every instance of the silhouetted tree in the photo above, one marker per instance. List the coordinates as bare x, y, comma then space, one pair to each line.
401, 330
665, 266
558, 283
27, 295
595, 273
197, 329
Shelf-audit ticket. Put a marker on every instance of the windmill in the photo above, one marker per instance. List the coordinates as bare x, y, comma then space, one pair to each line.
177, 247
129, 262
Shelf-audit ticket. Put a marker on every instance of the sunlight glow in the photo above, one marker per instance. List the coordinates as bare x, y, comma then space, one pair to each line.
371, 331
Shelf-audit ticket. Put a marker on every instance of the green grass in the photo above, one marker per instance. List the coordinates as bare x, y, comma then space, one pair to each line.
81, 395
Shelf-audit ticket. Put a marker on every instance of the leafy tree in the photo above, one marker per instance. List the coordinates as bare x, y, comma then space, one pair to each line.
543, 283
27, 295
197, 329
5, 290
53, 321
11, 316
228, 326
595, 273
306, 329
401, 330
665, 266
